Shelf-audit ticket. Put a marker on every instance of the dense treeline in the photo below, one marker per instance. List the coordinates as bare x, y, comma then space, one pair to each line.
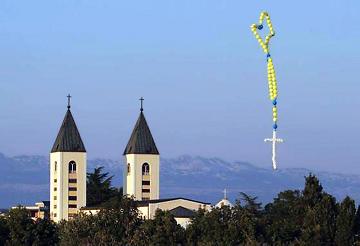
307, 217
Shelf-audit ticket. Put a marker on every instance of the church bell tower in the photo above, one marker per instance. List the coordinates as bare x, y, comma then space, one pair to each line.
67, 171
142, 162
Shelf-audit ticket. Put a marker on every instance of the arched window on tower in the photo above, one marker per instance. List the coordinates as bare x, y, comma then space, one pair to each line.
72, 167
128, 169
55, 166
146, 169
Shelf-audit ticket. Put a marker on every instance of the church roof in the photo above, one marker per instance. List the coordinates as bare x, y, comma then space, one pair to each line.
141, 140
143, 203
224, 202
68, 138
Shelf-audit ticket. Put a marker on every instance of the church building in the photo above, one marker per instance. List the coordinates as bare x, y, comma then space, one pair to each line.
141, 175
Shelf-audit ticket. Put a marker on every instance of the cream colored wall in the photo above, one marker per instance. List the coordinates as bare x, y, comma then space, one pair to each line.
90, 211
129, 179
133, 182
62, 184
184, 222
144, 212
55, 157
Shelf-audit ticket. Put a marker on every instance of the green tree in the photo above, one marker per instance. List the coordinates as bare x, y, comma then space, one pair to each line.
98, 188
255, 210
244, 224
111, 226
284, 218
210, 227
20, 226
78, 231
118, 224
4, 231
162, 230
224, 226
114, 201
345, 222
45, 232
311, 231
357, 226
319, 225
326, 212
313, 191
194, 231
319, 209
250, 203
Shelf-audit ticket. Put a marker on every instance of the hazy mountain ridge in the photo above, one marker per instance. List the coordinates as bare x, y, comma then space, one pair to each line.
25, 179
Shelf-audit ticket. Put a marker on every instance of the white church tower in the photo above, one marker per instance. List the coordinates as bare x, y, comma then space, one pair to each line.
67, 171
142, 162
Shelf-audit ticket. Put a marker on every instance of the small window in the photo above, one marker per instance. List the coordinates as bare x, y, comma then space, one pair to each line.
72, 189
55, 166
55, 180
54, 214
72, 206
145, 182
72, 198
55, 206
55, 188
72, 167
128, 169
55, 197
145, 190
72, 181
145, 169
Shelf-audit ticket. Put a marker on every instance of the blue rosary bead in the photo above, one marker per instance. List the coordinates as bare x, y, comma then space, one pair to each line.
260, 27
274, 102
275, 126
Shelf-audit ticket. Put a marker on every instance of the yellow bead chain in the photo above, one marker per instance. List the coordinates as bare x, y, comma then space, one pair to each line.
264, 44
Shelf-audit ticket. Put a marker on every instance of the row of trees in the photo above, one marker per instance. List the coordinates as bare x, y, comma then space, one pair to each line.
17, 228
308, 217
295, 217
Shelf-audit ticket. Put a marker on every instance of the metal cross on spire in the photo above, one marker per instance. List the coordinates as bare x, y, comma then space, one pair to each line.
69, 100
141, 104
225, 194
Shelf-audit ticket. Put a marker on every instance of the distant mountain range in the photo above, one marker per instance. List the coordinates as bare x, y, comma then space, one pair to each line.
25, 179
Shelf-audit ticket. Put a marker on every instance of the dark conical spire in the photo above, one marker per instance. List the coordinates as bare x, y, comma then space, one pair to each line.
68, 138
141, 140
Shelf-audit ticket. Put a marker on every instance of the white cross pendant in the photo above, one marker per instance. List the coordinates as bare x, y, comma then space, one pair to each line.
274, 140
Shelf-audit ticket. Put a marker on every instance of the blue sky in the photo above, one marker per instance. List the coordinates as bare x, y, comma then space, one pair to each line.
200, 70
